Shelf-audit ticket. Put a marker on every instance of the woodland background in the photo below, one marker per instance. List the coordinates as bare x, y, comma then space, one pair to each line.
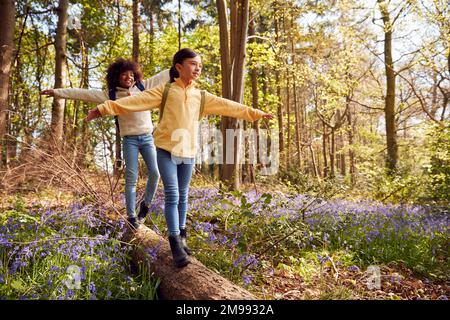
360, 93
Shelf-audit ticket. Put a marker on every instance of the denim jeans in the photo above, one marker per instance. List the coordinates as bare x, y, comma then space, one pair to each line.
132, 146
176, 175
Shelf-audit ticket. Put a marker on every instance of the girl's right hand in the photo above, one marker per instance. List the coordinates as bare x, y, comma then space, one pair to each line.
48, 92
93, 114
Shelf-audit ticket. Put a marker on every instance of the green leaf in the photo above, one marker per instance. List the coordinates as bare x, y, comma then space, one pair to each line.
18, 285
267, 198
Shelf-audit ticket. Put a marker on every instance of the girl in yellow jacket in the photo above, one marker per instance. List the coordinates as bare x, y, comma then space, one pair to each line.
175, 136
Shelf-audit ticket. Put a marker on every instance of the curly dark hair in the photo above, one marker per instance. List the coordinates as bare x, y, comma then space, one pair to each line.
119, 66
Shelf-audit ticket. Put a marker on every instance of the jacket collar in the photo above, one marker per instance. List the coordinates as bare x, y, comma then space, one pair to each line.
126, 89
122, 89
182, 85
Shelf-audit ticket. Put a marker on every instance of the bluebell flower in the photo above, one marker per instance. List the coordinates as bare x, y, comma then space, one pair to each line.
247, 279
92, 288
353, 268
153, 252
70, 293
238, 261
212, 237
224, 240
322, 259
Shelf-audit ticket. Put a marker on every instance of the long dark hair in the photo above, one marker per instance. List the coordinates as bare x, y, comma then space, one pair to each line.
179, 57
119, 66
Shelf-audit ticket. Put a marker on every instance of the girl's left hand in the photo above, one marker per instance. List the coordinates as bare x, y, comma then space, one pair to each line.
267, 116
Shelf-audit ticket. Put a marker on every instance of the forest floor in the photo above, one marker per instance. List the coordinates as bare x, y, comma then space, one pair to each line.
330, 282
397, 283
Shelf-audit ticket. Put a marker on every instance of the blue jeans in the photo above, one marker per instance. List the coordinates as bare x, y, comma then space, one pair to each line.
176, 175
132, 146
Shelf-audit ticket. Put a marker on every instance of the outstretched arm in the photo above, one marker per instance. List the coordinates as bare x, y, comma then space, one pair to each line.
146, 100
224, 107
87, 95
156, 80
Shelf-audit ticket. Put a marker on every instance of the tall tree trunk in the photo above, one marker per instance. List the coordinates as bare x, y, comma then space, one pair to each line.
80, 132
288, 107
280, 99
84, 148
41, 59
389, 109
20, 93
255, 102
225, 57
136, 24
294, 88
297, 126
60, 71
351, 151
342, 164
288, 111
314, 162
76, 129
324, 151
179, 24
434, 104
7, 16
232, 62
332, 154
240, 10
320, 168
152, 40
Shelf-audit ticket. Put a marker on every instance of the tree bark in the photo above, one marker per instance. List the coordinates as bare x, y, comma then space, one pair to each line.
19, 93
342, 164
389, 109
232, 63
324, 151
351, 152
332, 154
225, 60
7, 15
152, 39
85, 145
280, 99
288, 107
60, 71
136, 23
314, 162
296, 111
80, 133
226, 171
255, 103
193, 282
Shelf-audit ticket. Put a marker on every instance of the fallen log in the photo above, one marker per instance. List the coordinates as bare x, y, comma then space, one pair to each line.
193, 282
